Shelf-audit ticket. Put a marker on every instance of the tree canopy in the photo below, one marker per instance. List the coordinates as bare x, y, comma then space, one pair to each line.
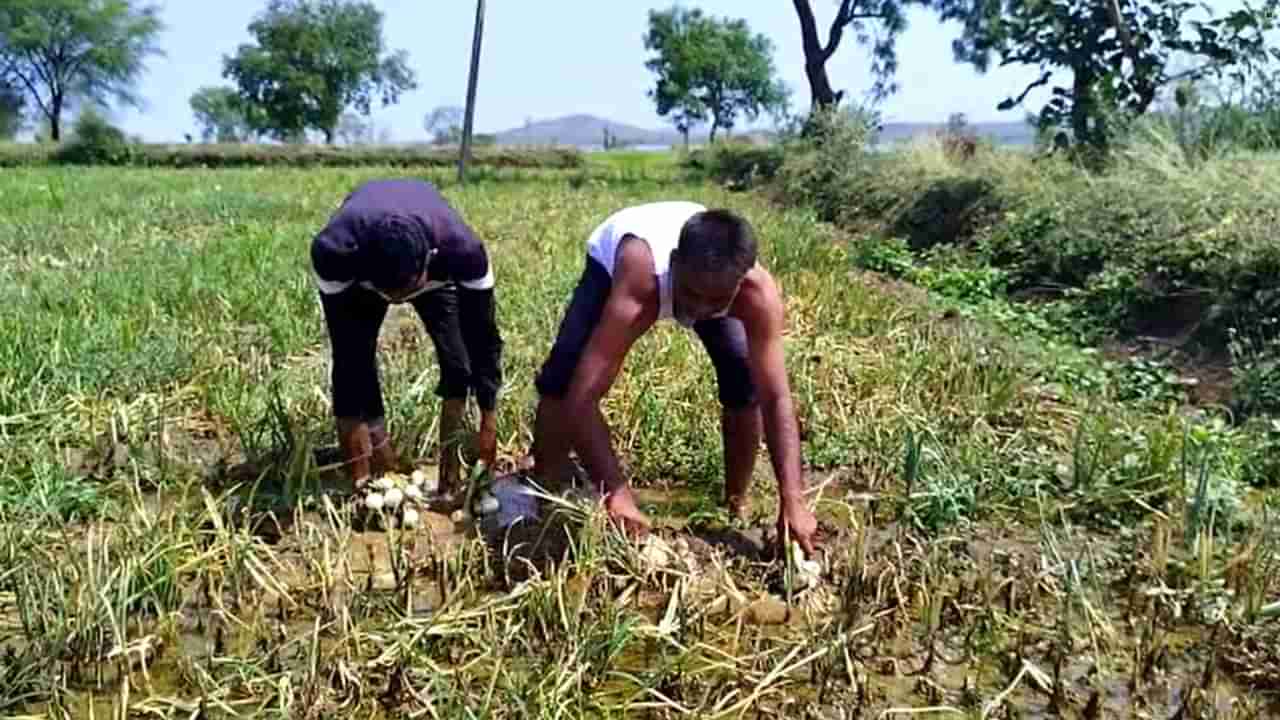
313, 60
59, 52
222, 115
1117, 55
710, 67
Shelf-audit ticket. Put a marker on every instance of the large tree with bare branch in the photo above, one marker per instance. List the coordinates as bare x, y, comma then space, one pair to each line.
60, 51
1107, 61
874, 23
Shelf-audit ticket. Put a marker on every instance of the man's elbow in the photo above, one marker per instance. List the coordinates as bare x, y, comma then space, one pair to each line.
774, 401
581, 401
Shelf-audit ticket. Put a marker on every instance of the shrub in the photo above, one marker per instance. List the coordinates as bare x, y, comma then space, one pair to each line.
1155, 245
737, 165
95, 141
825, 160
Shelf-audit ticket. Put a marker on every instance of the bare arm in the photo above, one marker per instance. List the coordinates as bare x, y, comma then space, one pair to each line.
764, 321
623, 320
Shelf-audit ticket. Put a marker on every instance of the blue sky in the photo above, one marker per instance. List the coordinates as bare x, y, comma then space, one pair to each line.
544, 59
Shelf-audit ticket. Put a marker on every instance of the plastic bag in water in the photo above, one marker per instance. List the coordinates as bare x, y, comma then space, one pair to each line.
516, 501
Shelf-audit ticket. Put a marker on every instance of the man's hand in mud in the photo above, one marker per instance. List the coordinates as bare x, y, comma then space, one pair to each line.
622, 509
798, 523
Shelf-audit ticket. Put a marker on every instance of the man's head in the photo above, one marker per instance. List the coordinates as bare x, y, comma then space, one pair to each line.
396, 262
716, 249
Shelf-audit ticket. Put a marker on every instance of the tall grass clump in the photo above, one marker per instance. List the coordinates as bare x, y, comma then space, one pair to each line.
1156, 244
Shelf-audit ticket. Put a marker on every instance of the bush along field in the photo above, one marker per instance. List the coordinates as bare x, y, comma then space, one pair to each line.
1008, 533
1163, 261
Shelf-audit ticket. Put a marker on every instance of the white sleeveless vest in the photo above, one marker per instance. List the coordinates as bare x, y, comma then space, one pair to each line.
658, 224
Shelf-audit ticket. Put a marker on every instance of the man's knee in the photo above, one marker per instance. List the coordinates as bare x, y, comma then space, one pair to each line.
725, 340
455, 381
737, 394
554, 377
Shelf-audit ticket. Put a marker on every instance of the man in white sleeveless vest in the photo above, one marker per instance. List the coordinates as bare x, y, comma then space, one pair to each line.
684, 262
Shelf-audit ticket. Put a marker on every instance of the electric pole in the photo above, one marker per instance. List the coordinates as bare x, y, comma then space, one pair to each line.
471, 91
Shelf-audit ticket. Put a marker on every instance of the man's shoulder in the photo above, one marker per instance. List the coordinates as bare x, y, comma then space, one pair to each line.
634, 258
760, 295
633, 271
649, 213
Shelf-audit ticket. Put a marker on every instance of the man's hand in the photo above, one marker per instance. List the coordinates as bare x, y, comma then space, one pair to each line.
795, 520
622, 509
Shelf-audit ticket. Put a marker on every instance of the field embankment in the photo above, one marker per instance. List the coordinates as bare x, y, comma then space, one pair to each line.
1166, 260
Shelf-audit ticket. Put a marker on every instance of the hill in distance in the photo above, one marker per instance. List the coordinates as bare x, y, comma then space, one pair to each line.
584, 130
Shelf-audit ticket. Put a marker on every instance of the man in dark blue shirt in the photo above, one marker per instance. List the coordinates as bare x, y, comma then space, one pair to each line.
397, 241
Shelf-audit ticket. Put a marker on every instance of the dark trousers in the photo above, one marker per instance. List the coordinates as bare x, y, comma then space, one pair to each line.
468, 353
724, 339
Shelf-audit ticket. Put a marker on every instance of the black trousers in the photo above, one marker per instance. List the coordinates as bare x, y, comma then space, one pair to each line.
462, 326
724, 339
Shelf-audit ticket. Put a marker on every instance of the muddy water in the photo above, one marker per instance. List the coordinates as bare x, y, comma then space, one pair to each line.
888, 668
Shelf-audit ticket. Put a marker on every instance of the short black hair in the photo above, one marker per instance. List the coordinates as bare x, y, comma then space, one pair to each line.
397, 252
718, 240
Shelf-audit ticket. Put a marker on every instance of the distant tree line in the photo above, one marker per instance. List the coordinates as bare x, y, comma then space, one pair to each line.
317, 68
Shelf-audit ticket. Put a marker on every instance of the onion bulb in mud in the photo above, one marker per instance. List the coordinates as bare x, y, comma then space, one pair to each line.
487, 505
413, 492
393, 498
373, 501
383, 483
418, 477
410, 518
808, 572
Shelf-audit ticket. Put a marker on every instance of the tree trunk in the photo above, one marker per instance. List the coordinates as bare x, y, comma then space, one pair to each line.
815, 58
711, 139
1082, 109
328, 136
1087, 123
55, 117
820, 85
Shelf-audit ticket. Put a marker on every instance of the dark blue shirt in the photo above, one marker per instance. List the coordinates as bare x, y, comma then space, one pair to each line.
336, 251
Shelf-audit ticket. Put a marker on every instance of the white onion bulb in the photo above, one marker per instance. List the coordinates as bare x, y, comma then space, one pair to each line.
410, 518
393, 498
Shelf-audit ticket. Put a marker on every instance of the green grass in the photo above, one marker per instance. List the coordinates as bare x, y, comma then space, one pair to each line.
161, 325
184, 298
248, 155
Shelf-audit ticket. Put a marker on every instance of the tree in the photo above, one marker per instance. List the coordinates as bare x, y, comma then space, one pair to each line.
354, 131
313, 60
222, 115
12, 106
710, 66
873, 22
444, 124
1118, 54
64, 51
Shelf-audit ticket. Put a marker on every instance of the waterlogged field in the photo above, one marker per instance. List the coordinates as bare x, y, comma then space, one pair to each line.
1003, 538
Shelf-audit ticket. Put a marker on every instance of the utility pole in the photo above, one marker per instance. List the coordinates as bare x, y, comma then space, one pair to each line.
471, 91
